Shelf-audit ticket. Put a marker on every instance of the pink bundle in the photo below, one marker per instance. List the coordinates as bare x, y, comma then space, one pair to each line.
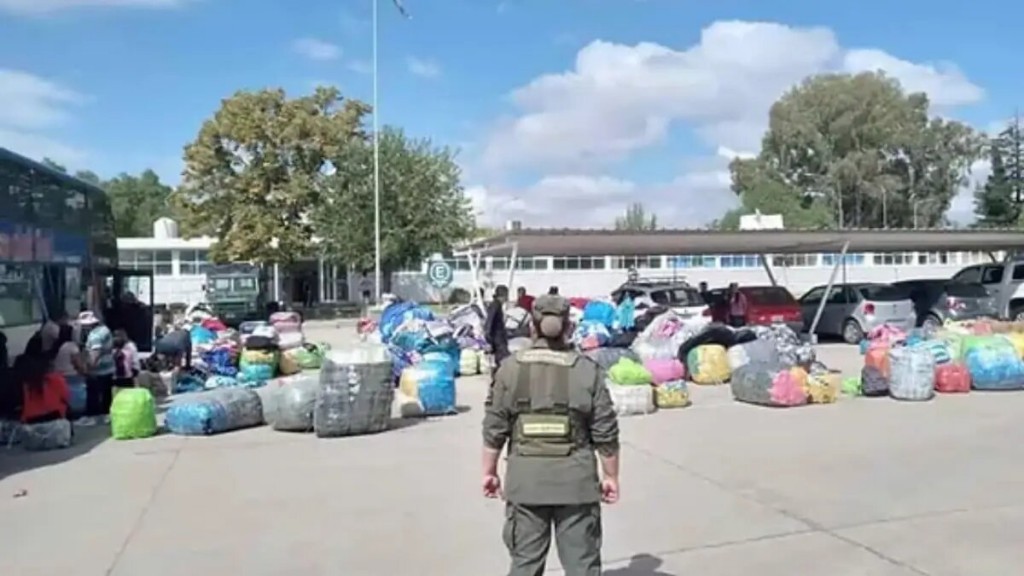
787, 391
665, 370
887, 334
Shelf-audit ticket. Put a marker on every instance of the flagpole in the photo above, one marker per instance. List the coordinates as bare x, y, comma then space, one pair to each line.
377, 168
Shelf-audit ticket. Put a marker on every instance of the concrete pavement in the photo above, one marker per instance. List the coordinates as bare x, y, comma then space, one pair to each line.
866, 487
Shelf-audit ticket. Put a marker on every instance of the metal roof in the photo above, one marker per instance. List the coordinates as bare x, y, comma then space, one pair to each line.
569, 242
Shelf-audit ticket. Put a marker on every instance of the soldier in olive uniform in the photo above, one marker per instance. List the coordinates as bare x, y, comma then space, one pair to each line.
550, 406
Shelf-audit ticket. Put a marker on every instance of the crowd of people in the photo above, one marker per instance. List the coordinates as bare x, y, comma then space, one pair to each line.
71, 368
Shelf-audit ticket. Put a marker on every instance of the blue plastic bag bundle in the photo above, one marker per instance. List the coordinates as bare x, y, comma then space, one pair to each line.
995, 366
214, 412
202, 335
218, 362
189, 383
600, 312
76, 396
428, 387
400, 360
590, 334
864, 346
218, 381
255, 373
399, 312
625, 315
937, 348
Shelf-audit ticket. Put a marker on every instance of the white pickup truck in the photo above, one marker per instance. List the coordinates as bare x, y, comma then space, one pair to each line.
1004, 282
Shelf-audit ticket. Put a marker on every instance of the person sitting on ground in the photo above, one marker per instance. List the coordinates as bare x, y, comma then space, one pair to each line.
176, 346
45, 397
68, 360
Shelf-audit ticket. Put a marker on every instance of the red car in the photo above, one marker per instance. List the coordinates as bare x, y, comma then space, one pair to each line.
766, 305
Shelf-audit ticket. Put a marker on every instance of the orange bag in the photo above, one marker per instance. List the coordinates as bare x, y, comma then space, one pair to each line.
878, 358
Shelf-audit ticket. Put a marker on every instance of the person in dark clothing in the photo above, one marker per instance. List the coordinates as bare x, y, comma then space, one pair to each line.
177, 347
553, 291
494, 326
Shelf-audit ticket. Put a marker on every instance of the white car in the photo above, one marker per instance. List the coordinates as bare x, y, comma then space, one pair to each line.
1004, 282
680, 297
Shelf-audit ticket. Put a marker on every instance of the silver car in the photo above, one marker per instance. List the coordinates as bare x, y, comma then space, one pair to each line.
853, 310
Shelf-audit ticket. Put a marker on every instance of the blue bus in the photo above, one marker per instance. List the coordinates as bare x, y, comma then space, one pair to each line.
58, 254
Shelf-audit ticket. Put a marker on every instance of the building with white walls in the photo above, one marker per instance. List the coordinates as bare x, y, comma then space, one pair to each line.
591, 263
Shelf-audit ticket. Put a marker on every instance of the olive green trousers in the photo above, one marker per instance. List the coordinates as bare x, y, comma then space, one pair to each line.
577, 531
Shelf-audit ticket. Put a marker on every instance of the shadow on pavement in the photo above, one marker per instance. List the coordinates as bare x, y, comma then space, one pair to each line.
640, 565
15, 459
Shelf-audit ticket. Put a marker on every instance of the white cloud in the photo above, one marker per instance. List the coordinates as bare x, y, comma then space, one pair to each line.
38, 7
315, 49
620, 99
31, 109
361, 67
423, 68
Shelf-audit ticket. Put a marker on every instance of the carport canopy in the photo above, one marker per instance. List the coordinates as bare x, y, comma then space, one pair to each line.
568, 242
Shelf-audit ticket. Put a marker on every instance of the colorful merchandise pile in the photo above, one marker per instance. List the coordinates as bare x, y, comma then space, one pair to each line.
961, 356
652, 359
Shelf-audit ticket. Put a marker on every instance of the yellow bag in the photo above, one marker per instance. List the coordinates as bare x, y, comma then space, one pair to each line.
823, 387
258, 357
288, 365
708, 364
671, 395
1017, 339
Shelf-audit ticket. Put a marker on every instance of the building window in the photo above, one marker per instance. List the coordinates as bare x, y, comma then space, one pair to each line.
163, 263
850, 259
741, 261
795, 260
692, 261
500, 262
531, 263
894, 258
192, 262
638, 262
579, 263
126, 259
926, 258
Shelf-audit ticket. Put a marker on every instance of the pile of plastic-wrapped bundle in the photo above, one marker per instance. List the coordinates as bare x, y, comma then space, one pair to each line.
426, 357
650, 359
961, 356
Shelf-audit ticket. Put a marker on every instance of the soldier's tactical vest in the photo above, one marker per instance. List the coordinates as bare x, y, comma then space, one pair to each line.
545, 423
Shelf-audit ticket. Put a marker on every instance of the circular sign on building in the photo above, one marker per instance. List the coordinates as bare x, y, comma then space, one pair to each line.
440, 274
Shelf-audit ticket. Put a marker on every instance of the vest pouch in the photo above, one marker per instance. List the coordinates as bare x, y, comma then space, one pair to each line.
544, 435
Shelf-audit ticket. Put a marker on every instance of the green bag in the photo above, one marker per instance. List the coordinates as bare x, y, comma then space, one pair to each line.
627, 372
133, 414
310, 356
851, 386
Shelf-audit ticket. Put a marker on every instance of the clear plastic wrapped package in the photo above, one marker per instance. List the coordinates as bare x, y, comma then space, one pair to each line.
52, 435
356, 393
295, 402
214, 412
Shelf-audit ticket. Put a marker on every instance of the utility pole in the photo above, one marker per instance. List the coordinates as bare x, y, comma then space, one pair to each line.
913, 191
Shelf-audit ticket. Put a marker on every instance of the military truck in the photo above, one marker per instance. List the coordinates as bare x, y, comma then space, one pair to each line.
235, 294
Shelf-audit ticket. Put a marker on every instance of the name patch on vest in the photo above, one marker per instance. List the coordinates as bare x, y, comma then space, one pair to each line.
545, 356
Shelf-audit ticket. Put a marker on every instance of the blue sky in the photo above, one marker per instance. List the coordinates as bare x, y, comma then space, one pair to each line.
564, 110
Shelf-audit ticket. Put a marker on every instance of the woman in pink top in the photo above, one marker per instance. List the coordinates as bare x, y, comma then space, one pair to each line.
737, 306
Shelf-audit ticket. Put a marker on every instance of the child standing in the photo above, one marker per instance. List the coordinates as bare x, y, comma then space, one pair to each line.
126, 361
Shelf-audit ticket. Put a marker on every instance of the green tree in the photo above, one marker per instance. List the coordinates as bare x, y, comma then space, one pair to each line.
255, 172
636, 219
862, 151
1011, 146
138, 201
90, 177
994, 202
423, 208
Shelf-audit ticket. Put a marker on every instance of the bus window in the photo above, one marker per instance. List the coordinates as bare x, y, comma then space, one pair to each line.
19, 305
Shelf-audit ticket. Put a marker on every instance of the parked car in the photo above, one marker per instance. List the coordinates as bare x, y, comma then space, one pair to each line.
937, 300
766, 305
678, 296
1004, 282
853, 310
